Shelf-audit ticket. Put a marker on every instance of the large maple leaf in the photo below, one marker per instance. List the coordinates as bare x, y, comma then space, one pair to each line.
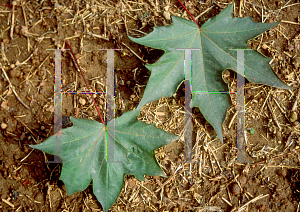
215, 38
84, 154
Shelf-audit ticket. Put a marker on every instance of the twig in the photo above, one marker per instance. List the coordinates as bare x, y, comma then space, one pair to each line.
240, 8
229, 126
225, 200
263, 106
133, 52
212, 165
28, 130
289, 22
12, 88
27, 155
296, 101
205, 11
170, 178
233, 180
28, 77
24, 14
253, 200
14, 3
97, 36
216, 160
88, 87
274, 117
189, 13
9, 203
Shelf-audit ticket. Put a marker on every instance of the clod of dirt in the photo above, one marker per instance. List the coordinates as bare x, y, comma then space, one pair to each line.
243, 180
262, 208
293, 116
235, 189
77, 56
3, 126
82, 101
14, 73
5, 41
131, 183
296, 62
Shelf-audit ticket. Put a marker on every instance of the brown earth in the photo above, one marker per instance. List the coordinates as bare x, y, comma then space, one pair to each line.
27, 183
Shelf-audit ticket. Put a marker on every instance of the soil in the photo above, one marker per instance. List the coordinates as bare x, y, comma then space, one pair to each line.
218, 183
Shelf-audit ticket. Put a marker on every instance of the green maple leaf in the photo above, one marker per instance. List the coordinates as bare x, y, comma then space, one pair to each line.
214, 39
84, 147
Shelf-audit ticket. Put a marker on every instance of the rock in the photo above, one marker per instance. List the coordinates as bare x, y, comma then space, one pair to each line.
236, 189
296, 62
77, 56
5, 41
82, 101
14, 73
90, 113
262, 208
243, 180
3, 126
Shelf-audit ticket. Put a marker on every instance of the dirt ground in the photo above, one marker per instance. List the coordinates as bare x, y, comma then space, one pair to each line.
217, 183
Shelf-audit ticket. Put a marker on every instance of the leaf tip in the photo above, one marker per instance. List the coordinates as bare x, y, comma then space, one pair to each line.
32, 146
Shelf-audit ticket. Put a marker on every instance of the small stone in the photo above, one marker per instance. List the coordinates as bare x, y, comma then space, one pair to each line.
77, 56
90, 113
131, 183
296, 62
14, 73
12, 65
3, 126
82, 101
18, 63
293, 116
5, 41
22, 137
262, 208
42, 127
17, 30
243, 180
192, 11
236, 189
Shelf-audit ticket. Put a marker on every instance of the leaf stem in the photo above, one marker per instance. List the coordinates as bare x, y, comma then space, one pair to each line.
74, 58
189, 13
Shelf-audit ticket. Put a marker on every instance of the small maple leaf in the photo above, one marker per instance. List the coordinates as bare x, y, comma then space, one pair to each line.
215, 39
84, 154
